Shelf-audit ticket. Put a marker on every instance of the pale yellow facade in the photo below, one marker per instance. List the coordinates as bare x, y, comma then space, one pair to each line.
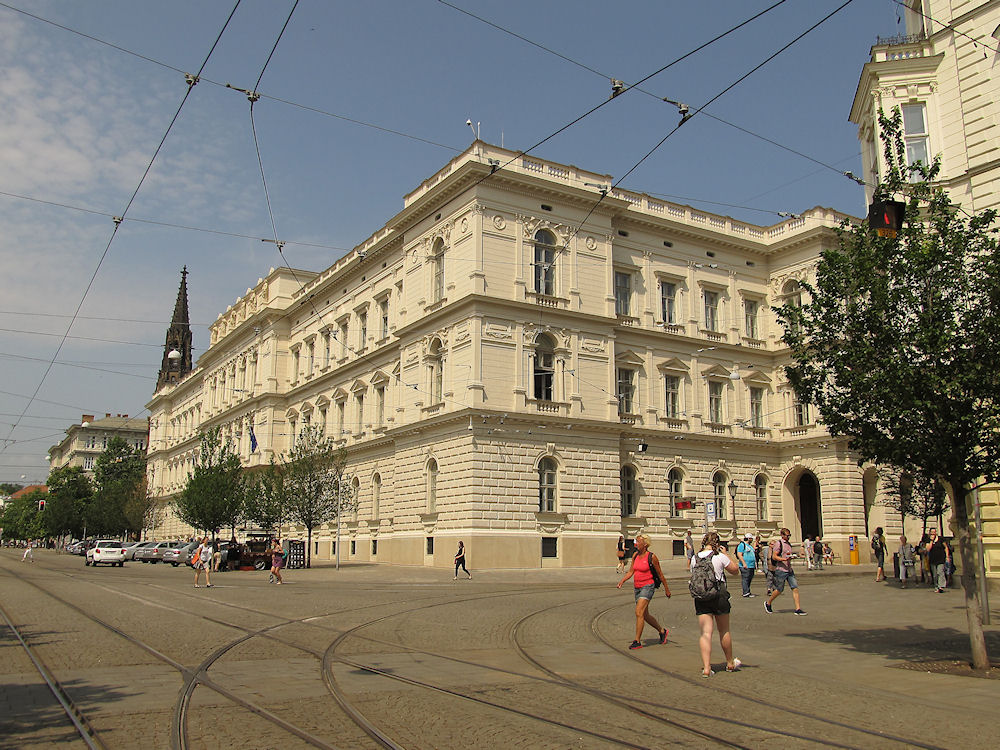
88, 438
944, 74
497, 356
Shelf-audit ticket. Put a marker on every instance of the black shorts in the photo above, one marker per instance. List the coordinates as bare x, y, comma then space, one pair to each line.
718, 606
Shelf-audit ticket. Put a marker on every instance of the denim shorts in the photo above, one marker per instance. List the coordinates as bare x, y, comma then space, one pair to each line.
644, 592
780, 576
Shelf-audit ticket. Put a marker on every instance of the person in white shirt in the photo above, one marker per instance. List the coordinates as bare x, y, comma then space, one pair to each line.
204, 563
714, 612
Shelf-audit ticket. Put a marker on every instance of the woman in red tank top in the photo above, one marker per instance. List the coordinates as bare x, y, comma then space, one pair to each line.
644, 562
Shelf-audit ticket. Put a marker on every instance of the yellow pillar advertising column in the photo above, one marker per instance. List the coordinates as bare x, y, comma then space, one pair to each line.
855, 552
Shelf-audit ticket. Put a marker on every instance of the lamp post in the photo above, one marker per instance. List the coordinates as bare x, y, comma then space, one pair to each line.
732, 496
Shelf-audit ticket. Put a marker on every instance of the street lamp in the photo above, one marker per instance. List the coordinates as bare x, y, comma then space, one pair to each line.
732, 496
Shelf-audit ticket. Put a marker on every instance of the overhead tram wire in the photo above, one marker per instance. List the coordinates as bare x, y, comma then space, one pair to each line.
191, 82
606, 76
629, 87
262, 95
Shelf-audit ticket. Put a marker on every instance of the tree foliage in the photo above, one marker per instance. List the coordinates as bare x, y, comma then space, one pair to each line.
913, 495
20, 517
70, 494
898, 342
266, 497
313, 482
119, 481
214, 493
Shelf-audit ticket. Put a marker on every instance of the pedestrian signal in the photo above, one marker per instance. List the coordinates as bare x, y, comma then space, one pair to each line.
683, 505
886, 217
41, 505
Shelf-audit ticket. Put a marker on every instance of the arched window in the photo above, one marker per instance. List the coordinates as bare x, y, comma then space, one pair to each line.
547, 485
760, 489
545, 364
431, 489
545, 257
675, 489
435, 365
719, 494
376, 494
629, 501
437, 270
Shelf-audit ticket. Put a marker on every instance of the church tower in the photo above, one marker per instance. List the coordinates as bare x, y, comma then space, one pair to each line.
178, 341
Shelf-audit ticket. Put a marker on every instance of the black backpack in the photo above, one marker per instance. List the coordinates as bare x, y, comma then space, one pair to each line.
652, 568
704, 586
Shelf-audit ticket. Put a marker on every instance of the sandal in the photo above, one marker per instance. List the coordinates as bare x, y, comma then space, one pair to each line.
708, 674
735, 667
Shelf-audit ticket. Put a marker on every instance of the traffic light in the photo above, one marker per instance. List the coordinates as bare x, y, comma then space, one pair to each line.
682, 505
41, 505
886, 217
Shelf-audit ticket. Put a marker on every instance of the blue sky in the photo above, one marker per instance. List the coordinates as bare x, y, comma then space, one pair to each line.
360, 102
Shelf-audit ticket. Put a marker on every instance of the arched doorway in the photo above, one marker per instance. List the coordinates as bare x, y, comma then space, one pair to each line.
809, 508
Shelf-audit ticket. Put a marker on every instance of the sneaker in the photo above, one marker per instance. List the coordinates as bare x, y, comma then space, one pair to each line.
746, 596
634, 645
767, 608
800, 612
751, 596
663, 635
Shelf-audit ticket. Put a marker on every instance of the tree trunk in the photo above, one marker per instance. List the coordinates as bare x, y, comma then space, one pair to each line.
973, 607
309, 537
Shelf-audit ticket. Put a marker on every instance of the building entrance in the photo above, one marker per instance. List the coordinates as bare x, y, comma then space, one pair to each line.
809, 510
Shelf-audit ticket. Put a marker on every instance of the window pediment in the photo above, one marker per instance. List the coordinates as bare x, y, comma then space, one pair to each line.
716, 372
673, 365
322, 401
340, 394
756, 377
359, 386
628, 358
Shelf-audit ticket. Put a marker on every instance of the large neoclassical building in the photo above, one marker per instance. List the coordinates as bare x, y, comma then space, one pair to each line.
530, 361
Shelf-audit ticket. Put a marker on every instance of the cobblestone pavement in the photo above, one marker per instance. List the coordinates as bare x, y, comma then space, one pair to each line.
509, 659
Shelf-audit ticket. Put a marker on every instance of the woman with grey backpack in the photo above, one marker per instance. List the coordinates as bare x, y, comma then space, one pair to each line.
711, 601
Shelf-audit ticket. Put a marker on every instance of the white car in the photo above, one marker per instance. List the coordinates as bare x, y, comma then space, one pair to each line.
107, 551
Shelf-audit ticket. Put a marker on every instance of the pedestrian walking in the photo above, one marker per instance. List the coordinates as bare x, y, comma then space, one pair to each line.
233, 554
807, 548
878, 550
646, 575
621, 554
460, 561
780, 553
277, 562
688, 548
28, 554
203, 561
746, 556
938, 555
711, 601
907, 561
817, 553
216, 555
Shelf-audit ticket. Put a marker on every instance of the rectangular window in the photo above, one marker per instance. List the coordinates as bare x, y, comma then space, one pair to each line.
715, 402
429, 550
343, 339
363, 330
544, 273
550, 546
711, 311
380, 405
360, 398
328, 348
915, 135
295, 368
756, 407
672, 401
374, 547
354, 548
750, 311
383, 308
340, 420
668, 303
801, 414
88, 463
626, 390
623, 293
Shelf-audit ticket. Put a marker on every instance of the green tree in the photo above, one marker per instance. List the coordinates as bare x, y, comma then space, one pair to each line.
313, 481
214, 493
914, 495
9, 488
70, 493
897, 345
21, 518
119, 474
266, 497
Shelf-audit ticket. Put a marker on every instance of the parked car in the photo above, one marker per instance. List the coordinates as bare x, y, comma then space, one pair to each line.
154, 552
131, 547
107, 552
180, 555
76, 548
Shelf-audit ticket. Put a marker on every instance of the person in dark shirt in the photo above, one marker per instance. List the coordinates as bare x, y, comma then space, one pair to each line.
938, 555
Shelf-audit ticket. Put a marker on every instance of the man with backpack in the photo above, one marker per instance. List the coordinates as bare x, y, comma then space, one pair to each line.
746, 556
780, 556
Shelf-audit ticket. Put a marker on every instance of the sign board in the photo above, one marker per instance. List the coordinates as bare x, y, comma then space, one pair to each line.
710, 511
683, 505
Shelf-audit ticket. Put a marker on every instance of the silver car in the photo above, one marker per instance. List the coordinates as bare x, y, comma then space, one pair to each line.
153, 552
180, 555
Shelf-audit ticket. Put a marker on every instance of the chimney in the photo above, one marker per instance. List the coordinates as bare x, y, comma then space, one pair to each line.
106, 415
124, 416
86, 417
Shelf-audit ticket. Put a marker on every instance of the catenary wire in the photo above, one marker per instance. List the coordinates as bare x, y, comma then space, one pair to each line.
191, 81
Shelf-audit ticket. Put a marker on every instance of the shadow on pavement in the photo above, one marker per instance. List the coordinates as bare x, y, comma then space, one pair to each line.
913, 643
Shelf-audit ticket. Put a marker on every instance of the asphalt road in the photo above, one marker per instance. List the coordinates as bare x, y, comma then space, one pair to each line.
377, 656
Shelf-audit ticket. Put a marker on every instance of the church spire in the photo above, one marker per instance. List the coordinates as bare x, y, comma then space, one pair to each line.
178, 341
